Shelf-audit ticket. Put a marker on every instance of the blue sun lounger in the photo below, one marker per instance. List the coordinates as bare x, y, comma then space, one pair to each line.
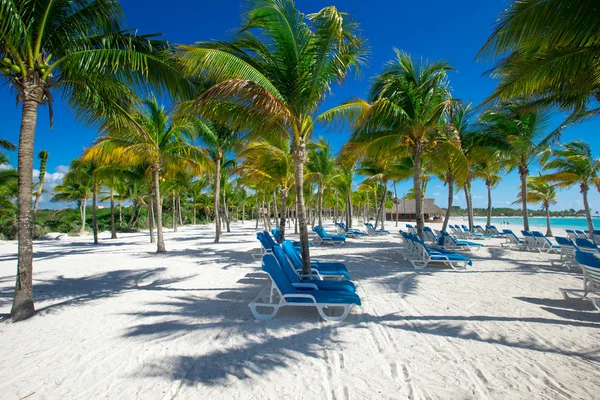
352, 232
586, 245
449, 243
283, 294
324, 270
474, 235
590, 265
544, 243
567, 252
296, 279
372, 231
324, 237
512, 240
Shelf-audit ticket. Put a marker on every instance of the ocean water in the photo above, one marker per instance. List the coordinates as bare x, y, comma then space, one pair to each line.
540, 222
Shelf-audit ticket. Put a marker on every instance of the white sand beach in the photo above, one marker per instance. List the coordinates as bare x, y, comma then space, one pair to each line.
119, 321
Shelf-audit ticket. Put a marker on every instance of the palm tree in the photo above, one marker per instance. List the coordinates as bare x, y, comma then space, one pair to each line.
89, 172
268, 163
321, 169
407, 104
523, 131
490, 172
79, 49
219, 140
275, 75
76, 186
148, 135
196, 192
539, 190
43, 156
574, 164
551, 53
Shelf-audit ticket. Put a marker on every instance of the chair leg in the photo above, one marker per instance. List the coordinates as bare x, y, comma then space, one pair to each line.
346, 310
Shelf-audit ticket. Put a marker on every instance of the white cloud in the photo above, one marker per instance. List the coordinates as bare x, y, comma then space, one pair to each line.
477, 197
4, 167
437, 194
507, 202
63, 169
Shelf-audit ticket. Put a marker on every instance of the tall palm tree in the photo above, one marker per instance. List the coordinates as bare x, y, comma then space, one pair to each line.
407, 104
551, 53
539, 190
77, 48
268, 162
574, 164
321, 169
524, 132
89, 171
275, 75
219, 140
148, 135
43, 156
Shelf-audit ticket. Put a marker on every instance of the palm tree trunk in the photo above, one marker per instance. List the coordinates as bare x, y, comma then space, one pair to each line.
113, 228
295, 218
226, 211
94, 216
489, 208
82, 231
382, 206
450, 182
23, 307
217, 194
38, 194
160, 241
275, 211
396, 201
299, 155
257, 211
420, 217
120, 213
523, 172
588, 214
375, 206
151, 217
467, 190
548, 229
283, 195
194, 206
173, 212
243, 211
320, 204
349, 206
179, 209
133, 211
336, 211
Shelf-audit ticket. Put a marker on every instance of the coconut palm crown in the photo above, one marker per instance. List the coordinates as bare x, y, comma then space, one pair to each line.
275, 74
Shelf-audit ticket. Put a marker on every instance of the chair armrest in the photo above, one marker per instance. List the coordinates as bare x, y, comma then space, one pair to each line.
305, 286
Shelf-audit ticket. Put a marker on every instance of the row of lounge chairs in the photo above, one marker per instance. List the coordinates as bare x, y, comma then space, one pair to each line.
420, 255
328, 287
587, 257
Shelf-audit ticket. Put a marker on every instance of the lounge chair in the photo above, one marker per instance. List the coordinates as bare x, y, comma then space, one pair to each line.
529, 241
492, 230
351, 232
450, 243
474, 235
425, 256
567, 252
544, 244
429, 236
324, 237
282, 293
297, 279
571, 234
590, 265
581, 234
277, 235
586, 245
375, 232
457, 231
596, 233
479, 229
411, 228
324, 270
512, 240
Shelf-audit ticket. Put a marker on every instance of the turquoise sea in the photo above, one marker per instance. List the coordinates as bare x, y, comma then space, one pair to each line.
565, 223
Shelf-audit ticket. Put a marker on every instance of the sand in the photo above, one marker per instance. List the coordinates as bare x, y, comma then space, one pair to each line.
118, 321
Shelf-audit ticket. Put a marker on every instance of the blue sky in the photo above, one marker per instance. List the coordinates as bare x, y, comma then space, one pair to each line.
435, 29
